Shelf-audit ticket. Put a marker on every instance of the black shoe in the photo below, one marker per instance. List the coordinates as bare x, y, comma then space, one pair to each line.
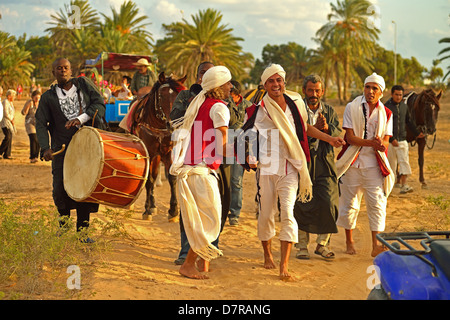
87, 240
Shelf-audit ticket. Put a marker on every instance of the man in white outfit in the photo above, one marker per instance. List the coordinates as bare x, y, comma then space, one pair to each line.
363, 166
281, 122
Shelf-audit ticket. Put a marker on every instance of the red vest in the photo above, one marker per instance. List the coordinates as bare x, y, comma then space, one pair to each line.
202, 146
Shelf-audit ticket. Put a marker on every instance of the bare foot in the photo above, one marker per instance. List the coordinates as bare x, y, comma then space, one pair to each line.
191, 272
268, 262
287, 278
350, 248
202, 265
285, 275
377, 250
268, 258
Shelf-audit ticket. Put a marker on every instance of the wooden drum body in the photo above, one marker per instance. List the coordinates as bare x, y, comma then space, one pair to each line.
105, 167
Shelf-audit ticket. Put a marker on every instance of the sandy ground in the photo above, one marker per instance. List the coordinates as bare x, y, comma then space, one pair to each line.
145, 269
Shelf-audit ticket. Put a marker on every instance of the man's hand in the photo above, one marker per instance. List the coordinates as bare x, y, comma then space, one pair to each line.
337, 142
394, 143
321, 123
48, 155
72, 123
378, 145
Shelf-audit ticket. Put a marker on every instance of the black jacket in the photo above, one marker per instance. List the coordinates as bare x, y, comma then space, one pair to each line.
51, 120
401, 119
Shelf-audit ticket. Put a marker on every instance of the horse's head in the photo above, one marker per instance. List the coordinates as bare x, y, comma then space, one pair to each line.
156, 112
427, 107
167, 91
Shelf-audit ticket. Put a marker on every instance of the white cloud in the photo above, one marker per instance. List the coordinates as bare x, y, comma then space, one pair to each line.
168, 11
7, 13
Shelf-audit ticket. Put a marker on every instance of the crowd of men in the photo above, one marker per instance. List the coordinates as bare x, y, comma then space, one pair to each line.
287, 140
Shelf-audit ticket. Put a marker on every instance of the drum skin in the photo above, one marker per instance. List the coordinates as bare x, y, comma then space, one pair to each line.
105, 167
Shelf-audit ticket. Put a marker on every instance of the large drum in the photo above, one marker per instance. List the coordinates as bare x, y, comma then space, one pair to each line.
105, 167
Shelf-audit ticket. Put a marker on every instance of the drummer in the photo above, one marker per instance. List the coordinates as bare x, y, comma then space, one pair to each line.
66, 106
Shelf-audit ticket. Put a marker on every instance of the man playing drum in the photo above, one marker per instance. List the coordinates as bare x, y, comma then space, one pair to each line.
66, 106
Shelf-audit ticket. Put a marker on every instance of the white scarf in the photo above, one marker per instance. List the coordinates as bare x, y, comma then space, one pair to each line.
201, 220
289, 135
358, 122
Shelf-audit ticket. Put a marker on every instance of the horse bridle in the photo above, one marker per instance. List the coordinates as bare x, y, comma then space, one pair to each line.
159, 133
160, 114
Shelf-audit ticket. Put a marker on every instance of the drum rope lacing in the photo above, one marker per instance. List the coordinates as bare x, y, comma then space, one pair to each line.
116, 172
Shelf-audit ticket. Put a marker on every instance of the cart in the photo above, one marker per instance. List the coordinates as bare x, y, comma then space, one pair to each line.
115, 65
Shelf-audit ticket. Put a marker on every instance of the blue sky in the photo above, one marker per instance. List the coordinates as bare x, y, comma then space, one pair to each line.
420, 23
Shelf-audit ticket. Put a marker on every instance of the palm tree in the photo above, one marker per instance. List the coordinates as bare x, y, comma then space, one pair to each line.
6, 42
15, 66
187, 45
445, 50
82, 42
296, 59
349, 28
125, 31
325, 61
75, 40
63, 24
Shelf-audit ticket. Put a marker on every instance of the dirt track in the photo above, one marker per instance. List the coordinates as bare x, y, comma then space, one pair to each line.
145, 269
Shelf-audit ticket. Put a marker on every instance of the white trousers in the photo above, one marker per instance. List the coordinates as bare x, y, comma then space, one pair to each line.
354, 184
400, 156
201, 208
285, 188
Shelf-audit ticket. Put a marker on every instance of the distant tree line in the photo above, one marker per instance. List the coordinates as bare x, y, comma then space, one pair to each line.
347, 49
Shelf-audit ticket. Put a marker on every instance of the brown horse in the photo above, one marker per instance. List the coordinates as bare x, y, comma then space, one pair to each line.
424, 109
151, 123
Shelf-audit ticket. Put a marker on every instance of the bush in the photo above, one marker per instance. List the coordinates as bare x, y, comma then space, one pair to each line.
34, 249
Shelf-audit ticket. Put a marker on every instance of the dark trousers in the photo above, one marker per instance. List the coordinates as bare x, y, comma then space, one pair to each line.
83, 216
64, 203
34, 146
5, 147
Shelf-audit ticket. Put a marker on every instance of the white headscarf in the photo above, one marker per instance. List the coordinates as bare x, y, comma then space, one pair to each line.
271, 70
215, 77
375, 78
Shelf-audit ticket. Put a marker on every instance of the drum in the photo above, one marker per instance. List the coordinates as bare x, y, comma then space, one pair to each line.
105, 167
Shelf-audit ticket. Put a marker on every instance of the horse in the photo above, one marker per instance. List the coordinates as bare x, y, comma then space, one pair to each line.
424, 109
151, 123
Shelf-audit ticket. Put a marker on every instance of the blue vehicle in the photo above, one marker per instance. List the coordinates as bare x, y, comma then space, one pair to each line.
115, 65
409, 271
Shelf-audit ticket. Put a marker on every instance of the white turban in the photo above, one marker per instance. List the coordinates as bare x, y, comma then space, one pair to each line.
374, 78
215, 77
271, 70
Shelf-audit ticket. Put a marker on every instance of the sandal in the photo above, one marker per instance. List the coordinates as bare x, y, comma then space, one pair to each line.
324, 252
303, 254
